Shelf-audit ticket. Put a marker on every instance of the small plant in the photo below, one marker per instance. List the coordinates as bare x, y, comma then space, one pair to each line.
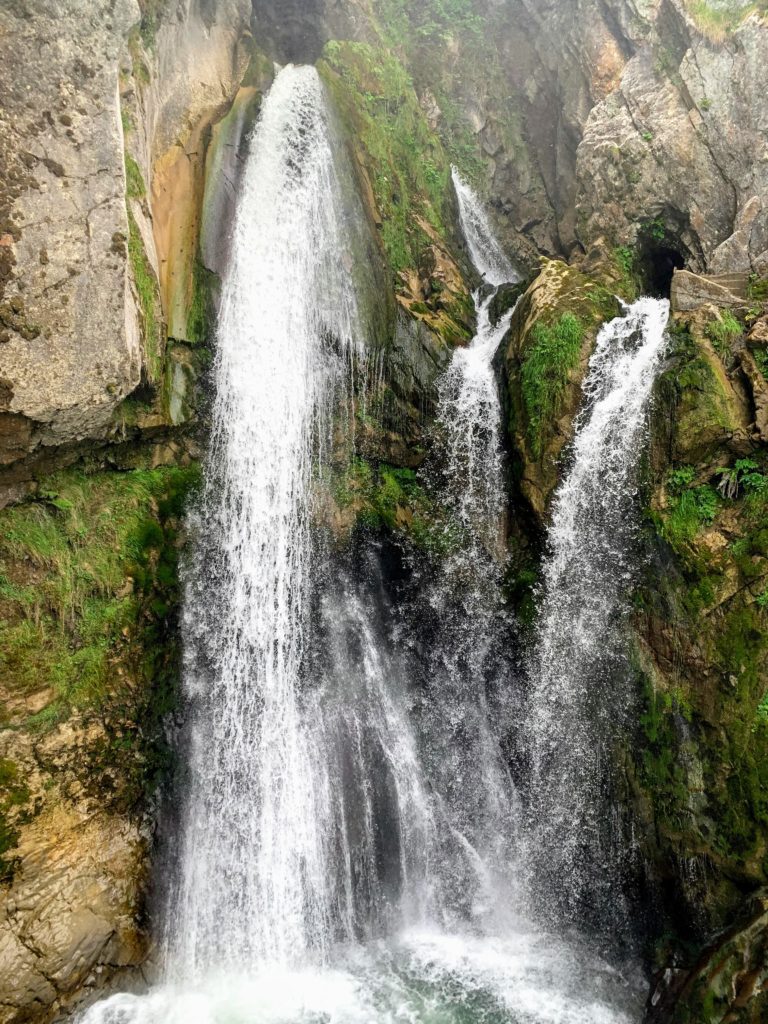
743, 475
723, 332
705, 104
757, 288
679, 479
625, 257
648, 136
688, 508
655, 229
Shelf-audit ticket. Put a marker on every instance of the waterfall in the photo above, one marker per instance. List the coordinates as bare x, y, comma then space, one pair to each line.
468, 681
347, 825
581, 692
468, 400
487, 255
257, 821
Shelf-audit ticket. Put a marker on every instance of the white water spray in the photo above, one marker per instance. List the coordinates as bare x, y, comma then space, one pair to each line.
580, 690
324, 853
255, 860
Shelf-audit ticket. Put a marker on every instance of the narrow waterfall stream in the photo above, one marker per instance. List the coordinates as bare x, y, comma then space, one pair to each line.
351, 847
580, 684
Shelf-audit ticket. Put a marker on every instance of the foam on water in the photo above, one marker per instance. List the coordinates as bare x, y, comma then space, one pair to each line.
423, 977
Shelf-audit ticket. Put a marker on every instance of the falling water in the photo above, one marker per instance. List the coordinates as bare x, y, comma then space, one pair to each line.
250, 888
487, 255
468, 408
581, 692
468, 680
347, 823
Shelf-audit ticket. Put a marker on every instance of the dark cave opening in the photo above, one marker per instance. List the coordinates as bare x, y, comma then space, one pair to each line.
659, 264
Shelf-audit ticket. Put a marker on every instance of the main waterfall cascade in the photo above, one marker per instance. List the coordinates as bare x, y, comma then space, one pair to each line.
352, 848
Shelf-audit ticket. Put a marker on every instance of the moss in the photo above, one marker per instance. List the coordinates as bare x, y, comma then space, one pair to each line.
134, 182
408, 168
86, 611
629, 272
552, 355
201, 315
149, 302
392, 498
14, 798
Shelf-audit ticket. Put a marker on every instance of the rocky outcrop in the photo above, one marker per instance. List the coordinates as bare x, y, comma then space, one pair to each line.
90, 287
71, 916
551, 338
69, 332
88, 669
680, 145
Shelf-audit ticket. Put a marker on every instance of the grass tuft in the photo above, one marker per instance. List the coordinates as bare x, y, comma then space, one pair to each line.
547, 363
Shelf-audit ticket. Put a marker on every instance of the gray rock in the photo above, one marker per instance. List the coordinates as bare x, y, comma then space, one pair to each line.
690, 291
71, 350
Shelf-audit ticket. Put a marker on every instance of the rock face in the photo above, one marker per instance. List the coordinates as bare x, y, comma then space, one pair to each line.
83, 694
72, 914
69, 334
81, 325
682, 140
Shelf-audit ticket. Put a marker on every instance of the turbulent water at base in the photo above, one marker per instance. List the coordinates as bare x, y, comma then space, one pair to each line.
348, 844
581, 692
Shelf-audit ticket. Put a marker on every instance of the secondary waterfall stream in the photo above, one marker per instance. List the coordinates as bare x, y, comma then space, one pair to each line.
351, 842
581, 692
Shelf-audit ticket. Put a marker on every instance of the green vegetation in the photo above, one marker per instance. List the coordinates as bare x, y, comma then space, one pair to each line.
654, 229
134, 181
14, 796
151, 15
407, 165
392, 498
149, 302
201, 316
717, 21
689, 508
757, 288
88, 596
627, 265
552, 354
433, 22
723, 332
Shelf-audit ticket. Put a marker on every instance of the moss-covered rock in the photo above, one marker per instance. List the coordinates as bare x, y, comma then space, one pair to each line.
701, 752
406, 183
551, 337
89, 661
